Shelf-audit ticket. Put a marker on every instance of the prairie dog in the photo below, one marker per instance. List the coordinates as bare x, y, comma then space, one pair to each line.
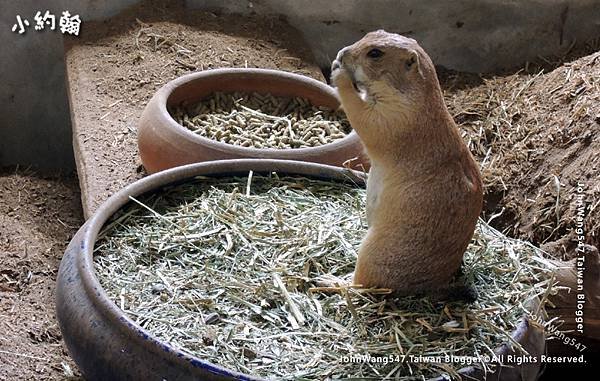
424, 190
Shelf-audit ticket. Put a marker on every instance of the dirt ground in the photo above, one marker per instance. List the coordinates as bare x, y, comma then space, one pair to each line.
116, 65
38, 217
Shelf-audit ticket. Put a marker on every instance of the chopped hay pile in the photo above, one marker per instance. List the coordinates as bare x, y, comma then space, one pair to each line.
537, 136
228, 270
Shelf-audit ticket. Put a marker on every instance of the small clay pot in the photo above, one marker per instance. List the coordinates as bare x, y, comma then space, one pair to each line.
108, 345
163, 143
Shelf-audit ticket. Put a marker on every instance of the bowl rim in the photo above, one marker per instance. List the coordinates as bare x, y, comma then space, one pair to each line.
165, 92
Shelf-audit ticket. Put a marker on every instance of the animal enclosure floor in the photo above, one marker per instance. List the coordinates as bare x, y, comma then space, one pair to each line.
116, 66
38, 217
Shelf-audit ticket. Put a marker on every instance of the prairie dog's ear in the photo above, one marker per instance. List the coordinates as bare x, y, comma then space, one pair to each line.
412, 61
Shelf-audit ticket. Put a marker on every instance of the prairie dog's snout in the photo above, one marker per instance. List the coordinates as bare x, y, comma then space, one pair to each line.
343, 61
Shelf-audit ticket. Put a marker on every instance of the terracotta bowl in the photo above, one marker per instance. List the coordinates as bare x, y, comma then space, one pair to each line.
163, 143
108, 345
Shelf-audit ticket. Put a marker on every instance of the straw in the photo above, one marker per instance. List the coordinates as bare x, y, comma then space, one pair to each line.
245, 290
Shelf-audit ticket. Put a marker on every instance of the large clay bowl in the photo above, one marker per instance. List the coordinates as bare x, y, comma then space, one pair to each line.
107, 345
163, 143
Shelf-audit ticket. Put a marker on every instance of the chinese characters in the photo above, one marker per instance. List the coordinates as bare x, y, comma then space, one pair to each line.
68, 24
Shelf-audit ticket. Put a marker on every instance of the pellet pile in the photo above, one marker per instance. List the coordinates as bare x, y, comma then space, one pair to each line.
262, 121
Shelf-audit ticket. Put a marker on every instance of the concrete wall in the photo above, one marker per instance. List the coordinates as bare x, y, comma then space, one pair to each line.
466, 35
35, 127
469, 35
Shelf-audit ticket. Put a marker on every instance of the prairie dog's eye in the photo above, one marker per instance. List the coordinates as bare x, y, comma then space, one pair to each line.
374, 53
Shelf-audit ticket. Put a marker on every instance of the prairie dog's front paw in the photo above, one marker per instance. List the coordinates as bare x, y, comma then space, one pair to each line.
340, 77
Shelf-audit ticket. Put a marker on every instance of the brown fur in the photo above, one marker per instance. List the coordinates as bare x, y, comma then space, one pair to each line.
424, 192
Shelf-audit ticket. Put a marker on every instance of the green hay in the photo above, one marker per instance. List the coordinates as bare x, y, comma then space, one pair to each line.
229, 270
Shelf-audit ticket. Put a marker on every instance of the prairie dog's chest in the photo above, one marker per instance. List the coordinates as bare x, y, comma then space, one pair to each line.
374, 187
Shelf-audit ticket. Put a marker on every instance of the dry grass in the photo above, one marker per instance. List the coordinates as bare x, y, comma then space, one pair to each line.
536, 136
229, 270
